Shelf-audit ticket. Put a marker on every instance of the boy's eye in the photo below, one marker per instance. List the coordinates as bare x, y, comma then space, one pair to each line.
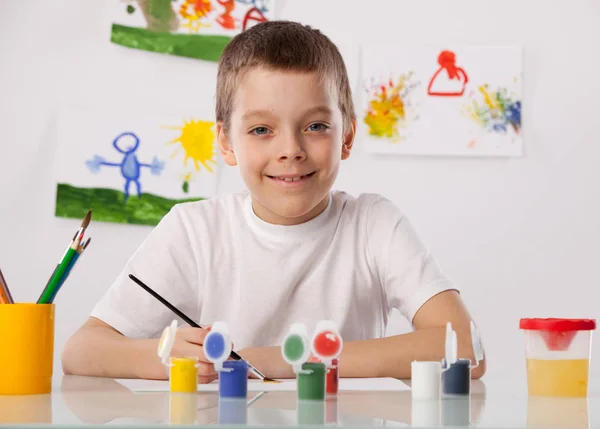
260, 131
317, 126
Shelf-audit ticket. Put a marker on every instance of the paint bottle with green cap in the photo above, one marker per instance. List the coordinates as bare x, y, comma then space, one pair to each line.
310, 377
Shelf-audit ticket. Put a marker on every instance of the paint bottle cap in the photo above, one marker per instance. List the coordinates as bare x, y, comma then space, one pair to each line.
217, 345
233, 380
165, 344
451, 345
311, 381
476, 340
327, 342
295, 349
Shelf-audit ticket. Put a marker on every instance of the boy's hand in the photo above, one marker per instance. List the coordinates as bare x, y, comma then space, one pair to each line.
188, 343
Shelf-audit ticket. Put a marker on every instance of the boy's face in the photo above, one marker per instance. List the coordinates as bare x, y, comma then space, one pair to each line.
286, 135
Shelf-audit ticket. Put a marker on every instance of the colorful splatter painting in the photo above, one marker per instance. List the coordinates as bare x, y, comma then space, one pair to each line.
442, 100
191, 28
132, 170
391, 110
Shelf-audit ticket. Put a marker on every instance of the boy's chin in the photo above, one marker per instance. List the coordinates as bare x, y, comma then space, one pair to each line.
293, 212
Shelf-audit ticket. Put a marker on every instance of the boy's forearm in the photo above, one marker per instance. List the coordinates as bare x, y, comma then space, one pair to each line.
392, 356
382, 357
100, 352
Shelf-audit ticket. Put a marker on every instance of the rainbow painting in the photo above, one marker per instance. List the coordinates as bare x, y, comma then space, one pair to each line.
442, 100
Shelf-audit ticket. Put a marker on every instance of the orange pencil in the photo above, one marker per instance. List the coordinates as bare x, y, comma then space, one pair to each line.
5, 297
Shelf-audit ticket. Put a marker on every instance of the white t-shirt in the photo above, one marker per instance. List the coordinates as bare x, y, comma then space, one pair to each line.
216, 260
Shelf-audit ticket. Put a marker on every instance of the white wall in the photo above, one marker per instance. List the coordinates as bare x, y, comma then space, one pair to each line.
520, 236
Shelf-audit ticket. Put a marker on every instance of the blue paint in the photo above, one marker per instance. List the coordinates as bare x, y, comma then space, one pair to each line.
234, 384
457, 379
127, 143
513, 114
233, 411
214, 346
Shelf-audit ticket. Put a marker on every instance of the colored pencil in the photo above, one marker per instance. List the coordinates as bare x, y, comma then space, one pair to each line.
5, 296
190, 322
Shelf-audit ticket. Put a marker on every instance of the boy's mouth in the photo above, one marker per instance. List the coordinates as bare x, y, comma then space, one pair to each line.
289, 178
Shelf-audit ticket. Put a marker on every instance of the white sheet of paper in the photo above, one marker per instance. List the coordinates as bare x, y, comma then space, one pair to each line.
346, 384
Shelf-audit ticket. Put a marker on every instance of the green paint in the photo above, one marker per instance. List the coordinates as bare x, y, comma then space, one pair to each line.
108, 205
185, 187
130, 9
312, 386
293, 348
198, 46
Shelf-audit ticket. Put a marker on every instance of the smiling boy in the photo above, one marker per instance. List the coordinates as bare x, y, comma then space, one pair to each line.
289, 249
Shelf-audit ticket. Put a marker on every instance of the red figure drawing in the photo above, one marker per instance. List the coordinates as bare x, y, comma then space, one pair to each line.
450, 84
225, 19
253, 14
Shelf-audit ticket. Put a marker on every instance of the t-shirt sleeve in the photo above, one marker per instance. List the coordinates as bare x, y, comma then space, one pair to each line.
408, 272
165, 262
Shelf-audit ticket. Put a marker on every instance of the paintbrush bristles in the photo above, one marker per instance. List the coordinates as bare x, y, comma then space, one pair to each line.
86, 220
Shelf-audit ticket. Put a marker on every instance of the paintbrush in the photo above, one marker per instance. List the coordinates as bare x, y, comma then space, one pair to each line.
190, 322
80, 232
76, 256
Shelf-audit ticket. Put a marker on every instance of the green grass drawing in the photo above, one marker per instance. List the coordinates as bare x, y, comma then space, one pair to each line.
199, 46
107, 205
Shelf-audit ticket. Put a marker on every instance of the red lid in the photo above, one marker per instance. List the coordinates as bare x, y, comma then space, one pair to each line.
558, 324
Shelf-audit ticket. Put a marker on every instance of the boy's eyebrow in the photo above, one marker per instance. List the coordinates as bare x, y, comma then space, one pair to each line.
319, 109
265, 112
257, 112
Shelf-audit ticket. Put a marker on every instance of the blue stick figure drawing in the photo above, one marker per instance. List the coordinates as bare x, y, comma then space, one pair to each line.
127, 143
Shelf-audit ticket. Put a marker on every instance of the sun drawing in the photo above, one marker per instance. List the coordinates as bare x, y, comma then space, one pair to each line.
197, 141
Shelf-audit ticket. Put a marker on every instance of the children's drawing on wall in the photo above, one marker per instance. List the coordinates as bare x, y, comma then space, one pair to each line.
442, 100
391, 109
132, 170
494, 111
449, 80
191, 28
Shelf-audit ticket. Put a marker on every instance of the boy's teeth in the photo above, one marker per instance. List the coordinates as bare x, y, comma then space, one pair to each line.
290, 179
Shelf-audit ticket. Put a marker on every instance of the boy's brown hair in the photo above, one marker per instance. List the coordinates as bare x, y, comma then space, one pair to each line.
282, 45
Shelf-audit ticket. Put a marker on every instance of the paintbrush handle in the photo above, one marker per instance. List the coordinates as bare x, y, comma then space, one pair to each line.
54, 284
174, 309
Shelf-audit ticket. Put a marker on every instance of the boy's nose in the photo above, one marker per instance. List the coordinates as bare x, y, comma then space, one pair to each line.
291, 148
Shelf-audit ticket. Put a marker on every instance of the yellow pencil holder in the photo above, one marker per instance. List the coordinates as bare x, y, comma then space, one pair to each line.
26, 348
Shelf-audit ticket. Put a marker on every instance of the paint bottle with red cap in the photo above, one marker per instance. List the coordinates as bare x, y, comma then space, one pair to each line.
326, 347
558, 353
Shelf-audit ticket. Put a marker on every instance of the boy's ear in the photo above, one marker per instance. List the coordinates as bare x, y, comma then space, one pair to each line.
225, 145
349, 140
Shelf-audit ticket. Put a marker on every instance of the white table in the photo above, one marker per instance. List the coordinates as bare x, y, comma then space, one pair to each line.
82, 401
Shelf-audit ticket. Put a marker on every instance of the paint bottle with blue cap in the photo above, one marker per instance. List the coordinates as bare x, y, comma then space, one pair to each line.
183, 371
456, 373
310, 376
233, 374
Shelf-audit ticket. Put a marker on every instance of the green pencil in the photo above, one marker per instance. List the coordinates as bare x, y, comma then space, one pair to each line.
55, 280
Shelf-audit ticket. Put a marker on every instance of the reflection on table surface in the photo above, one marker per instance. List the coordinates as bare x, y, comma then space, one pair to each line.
98, 401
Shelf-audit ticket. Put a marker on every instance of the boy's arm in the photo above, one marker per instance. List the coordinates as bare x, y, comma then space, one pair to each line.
391, 356
97, 349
